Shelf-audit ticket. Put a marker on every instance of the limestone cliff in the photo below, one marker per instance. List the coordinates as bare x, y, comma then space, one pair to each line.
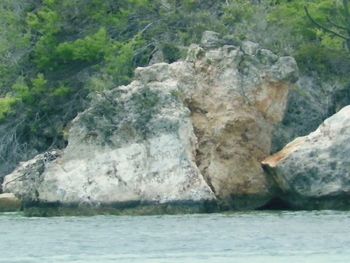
191, 131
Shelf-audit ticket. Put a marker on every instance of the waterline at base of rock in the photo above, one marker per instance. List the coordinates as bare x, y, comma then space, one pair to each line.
126, 208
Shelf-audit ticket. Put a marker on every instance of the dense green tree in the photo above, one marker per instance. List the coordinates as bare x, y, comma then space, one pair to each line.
338, 23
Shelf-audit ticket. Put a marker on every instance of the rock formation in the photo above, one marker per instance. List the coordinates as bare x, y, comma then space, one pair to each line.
237, 96
190, 131
313, 172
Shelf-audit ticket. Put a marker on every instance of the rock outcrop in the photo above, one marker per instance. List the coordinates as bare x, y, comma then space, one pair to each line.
135, 144
191, 131
236, 97
313, 172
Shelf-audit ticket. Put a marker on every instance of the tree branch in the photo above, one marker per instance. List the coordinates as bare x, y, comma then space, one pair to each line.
322, 26
346, 9
347, 14
336, 25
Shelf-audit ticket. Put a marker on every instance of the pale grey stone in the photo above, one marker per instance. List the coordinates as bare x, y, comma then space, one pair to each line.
314, 171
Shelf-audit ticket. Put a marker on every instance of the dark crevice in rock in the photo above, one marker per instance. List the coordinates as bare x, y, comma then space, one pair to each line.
198, 161
276, 204
199, 158
297, 202
246, 202
1, 181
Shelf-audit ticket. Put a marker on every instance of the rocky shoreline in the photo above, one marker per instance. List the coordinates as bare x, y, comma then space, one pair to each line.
189, 137
313, 172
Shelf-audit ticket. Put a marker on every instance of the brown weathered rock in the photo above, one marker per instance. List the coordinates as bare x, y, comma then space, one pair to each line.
235, 99
9, 203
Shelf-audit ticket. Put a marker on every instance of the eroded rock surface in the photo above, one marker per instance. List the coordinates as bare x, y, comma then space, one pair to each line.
237, 96
313, 172
135, 144
194, 130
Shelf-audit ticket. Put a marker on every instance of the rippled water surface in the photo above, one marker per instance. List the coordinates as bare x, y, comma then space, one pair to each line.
236, 237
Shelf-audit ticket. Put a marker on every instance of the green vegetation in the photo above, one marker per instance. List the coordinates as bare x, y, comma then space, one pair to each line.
53, 53
338, 22
6, 105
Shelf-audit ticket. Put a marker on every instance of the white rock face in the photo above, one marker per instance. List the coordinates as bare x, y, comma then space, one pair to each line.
314, 171
145, 155
194, 130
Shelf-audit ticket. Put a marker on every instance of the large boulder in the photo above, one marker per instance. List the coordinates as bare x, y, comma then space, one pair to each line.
236, 96
313, 172
25, 180
134, 144
191, 131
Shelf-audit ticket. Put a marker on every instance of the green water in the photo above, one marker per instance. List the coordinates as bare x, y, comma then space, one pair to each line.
236, 237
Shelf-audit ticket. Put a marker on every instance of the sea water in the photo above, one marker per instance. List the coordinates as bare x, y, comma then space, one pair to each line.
210, 238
